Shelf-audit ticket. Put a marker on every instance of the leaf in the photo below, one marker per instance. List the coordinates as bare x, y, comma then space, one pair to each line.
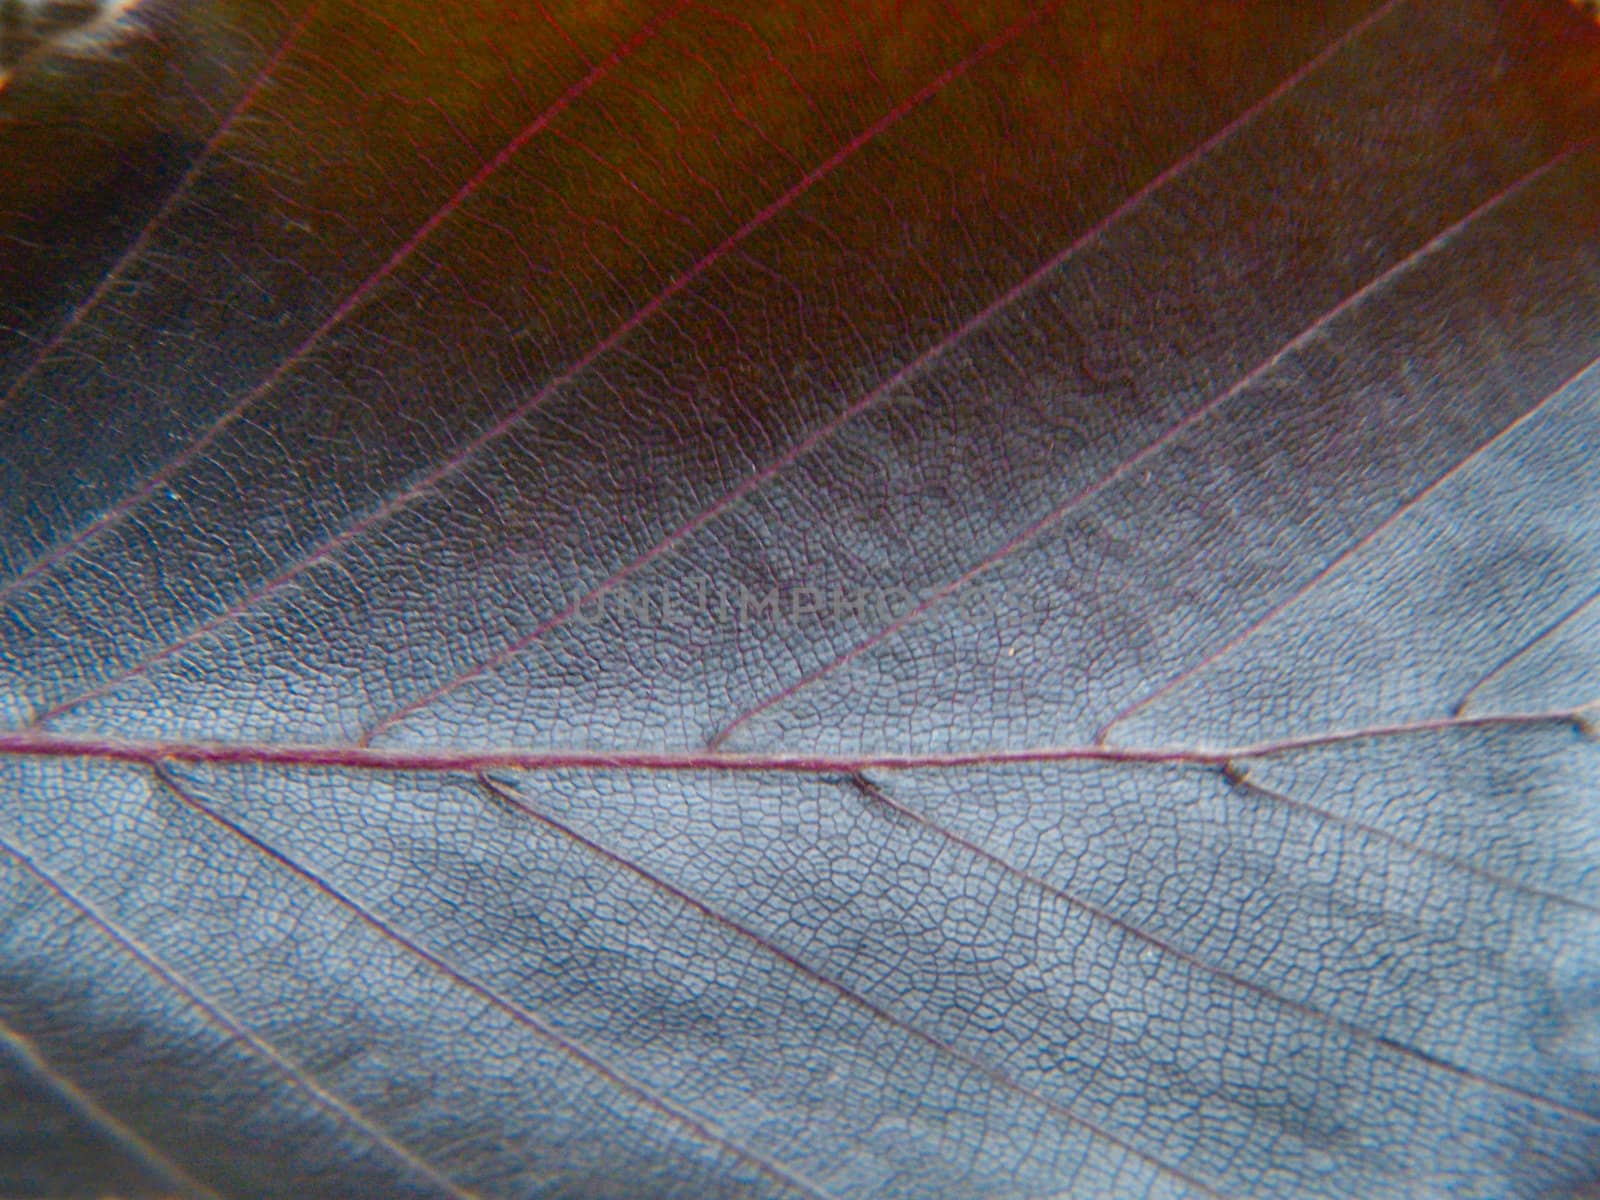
836, 601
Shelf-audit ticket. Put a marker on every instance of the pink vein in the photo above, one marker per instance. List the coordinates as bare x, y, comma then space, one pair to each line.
843, 991
91, 1108
348, 306
1134, 461
140, 243
569, 1048
34, 742
220, 1018
467, 451
1572, 614
1240, 778
1345, 556
909, 371
1203, 967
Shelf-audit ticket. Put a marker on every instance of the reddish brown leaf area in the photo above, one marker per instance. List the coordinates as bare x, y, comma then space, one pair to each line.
891, 600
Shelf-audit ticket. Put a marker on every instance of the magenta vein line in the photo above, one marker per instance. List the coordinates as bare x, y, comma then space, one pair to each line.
1345, 556
1232, 979
33, 742
911, 370
470, 449
223, 1020
1152, 449
346, 308
1572, 614
1242, 782
571, 1049
123, 1134
843, 991
180, 191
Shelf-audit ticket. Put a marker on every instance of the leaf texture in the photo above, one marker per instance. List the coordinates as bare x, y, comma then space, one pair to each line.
843, 600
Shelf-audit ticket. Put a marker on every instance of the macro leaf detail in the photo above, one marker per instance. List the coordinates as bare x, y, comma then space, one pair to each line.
836, 601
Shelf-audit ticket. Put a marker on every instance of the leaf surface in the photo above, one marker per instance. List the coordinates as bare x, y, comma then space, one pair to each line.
835, 601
